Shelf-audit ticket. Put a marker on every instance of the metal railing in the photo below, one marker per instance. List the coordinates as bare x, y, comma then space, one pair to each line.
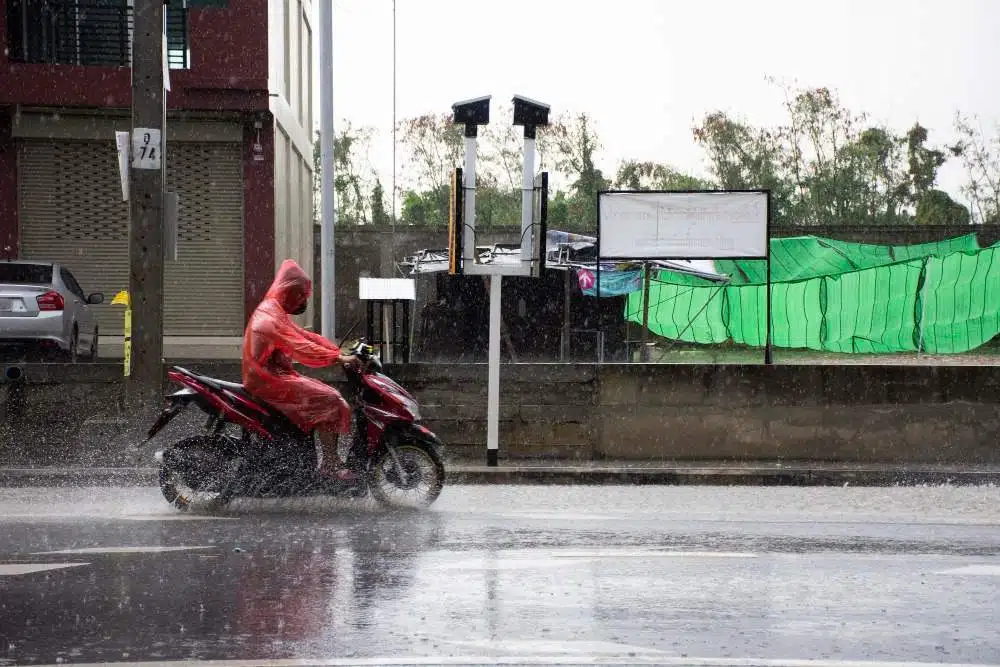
86, 32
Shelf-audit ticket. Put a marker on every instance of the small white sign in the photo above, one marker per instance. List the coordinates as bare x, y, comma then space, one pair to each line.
121, 140
166, 56
683, 225
146, 148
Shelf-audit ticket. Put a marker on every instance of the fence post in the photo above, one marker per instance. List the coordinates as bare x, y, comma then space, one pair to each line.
645, 314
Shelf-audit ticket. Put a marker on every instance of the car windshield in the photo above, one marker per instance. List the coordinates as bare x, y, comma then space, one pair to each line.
31, 274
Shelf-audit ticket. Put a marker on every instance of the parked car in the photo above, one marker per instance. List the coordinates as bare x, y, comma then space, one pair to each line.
44, 312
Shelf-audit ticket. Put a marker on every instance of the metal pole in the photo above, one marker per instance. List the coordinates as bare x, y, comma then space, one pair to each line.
768, 328
527, 195
469, 197
328, 211
493, 390
567, 314
146, 256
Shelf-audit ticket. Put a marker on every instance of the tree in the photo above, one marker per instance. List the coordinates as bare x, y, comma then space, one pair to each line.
432, 147
826, 165
633, 175
936, 207
353, 175
380, 216
558, 216
744, 157
575, 145
429, 207
923, 162
980, 155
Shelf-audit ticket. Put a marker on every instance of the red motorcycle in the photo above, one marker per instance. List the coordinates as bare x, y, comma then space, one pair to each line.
251, 450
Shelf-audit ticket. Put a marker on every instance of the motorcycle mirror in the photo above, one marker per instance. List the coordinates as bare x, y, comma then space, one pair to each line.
349, 332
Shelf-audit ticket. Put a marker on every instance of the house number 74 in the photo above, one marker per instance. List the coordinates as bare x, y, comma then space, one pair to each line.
146, 148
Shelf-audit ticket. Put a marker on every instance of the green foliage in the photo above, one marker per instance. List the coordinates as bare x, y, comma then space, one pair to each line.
575, 145
633, 175
380, 216
824, 165
353, 177
980, 154
936, 207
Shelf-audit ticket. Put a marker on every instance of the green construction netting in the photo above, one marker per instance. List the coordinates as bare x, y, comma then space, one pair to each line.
838, 296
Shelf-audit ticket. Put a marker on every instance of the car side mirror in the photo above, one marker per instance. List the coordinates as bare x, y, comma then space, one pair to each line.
95, 298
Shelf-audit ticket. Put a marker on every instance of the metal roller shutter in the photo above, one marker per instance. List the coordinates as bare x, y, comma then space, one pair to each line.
71, 212
205, 284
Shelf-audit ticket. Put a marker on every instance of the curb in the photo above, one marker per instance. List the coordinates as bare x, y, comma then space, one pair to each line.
737, 475
458, 473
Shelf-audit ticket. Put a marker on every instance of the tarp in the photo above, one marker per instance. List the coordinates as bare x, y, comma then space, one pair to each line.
838, 296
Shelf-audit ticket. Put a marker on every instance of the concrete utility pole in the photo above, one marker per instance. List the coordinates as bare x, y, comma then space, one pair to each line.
328, 202
146, 234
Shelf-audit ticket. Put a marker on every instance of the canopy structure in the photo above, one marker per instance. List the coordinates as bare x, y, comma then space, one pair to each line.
838, 296
565, 251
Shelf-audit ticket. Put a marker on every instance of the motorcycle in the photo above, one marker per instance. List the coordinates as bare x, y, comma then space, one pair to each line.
248, 449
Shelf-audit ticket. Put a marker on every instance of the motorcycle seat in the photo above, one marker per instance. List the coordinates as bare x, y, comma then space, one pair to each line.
234, 387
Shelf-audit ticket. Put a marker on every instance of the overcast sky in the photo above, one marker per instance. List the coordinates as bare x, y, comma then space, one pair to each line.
648, 70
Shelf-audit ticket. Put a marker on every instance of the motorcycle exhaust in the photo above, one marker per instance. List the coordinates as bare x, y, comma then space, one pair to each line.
13, 374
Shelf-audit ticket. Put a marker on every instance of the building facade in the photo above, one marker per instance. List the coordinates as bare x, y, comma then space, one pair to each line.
238, 153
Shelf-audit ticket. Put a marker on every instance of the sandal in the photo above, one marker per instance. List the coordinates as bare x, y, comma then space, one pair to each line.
340, 475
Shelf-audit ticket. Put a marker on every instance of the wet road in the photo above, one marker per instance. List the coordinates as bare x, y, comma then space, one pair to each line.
507, 575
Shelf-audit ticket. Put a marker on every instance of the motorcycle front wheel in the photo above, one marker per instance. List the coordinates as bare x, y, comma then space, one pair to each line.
192, 475
421, 480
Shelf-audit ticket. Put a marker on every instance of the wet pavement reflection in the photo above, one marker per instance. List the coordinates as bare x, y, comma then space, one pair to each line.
491, 571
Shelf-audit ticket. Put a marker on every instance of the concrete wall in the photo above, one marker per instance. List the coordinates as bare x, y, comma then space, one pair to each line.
900, 414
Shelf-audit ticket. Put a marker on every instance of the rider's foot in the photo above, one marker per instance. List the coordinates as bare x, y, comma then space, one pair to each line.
340, 475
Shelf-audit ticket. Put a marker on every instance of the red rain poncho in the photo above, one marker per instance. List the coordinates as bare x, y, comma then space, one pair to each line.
273, 341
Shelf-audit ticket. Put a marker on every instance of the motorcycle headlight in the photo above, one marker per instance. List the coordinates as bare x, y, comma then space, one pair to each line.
413, 407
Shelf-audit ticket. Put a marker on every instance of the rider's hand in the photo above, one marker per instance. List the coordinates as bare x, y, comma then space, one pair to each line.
349, 360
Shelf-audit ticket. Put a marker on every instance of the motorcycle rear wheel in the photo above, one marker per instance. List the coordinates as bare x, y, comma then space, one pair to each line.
186, 489
424, 472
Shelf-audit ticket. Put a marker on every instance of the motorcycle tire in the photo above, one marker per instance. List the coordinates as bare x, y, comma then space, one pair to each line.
187, 460
382, 474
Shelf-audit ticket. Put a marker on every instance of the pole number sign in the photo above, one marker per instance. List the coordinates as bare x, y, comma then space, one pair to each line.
146, 148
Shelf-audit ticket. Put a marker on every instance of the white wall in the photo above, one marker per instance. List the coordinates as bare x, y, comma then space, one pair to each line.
291, 83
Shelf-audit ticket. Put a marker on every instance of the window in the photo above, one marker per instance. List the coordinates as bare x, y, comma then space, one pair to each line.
71, 283
87, 32
26, 274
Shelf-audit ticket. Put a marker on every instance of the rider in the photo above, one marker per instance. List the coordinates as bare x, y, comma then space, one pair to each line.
272, 342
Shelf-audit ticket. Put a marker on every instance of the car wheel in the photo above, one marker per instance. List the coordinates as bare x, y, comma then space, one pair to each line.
95, 347
74, 347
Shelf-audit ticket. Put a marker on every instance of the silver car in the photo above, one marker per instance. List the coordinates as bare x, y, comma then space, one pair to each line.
44, 312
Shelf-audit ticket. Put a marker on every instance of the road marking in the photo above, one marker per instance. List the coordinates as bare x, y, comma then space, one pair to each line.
61, 516
117, 550
513, 563
553, 516
647, 659
976, 570
556, 647
621, 552
173, 517
528, 559
14, 569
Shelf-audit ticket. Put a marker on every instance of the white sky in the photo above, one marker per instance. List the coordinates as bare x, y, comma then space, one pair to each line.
648, 70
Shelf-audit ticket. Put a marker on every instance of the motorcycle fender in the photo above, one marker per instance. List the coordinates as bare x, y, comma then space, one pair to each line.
425, 435
176, 402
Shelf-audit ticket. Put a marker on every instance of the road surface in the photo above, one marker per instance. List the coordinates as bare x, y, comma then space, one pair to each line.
507, 575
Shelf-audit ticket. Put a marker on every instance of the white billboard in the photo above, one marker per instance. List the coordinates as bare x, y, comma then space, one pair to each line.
682, 225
